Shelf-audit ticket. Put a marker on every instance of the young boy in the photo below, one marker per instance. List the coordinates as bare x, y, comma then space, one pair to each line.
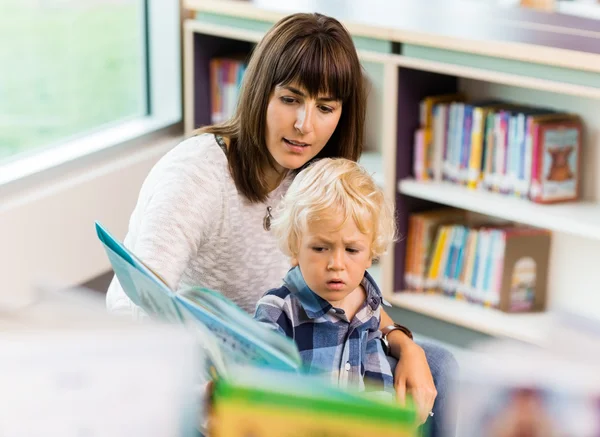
332, 222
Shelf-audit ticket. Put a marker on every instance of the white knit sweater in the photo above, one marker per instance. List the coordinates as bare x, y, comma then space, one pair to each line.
192, 227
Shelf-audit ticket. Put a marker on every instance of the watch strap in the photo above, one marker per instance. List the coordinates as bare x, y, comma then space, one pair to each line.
395, 327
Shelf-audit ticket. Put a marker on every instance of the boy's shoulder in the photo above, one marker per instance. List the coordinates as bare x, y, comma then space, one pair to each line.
283, 298
281, 292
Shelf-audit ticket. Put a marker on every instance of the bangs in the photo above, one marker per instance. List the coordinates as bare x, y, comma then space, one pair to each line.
317, 65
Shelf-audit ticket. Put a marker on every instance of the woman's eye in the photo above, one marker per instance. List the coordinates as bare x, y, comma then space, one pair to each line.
326, 109
288, 100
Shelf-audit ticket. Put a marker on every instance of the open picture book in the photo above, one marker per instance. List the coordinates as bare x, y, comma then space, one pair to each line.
228, 335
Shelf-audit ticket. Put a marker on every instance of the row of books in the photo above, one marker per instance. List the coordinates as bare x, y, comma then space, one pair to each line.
501, 266
524, 151
225, 80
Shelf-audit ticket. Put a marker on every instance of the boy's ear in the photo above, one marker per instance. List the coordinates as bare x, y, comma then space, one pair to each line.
294, 261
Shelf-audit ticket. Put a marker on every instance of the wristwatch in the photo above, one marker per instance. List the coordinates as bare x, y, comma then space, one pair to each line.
387, 329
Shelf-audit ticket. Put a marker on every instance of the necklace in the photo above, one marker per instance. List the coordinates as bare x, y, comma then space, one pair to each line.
267, 219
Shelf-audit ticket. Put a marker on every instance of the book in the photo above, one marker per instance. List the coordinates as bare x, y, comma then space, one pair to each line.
276, 404
230, 337
226, 74
430, 141
422, 230
556, 142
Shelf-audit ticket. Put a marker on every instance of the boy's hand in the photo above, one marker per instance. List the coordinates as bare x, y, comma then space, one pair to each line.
413, 377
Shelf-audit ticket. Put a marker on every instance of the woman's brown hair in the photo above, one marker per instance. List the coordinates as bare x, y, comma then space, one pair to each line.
310, 50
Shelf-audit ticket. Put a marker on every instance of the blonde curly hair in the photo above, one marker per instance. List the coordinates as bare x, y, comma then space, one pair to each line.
334, 188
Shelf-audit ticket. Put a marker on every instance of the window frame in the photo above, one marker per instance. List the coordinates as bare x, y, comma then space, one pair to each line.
163, 82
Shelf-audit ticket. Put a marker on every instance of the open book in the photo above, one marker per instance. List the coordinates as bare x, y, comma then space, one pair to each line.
229, 336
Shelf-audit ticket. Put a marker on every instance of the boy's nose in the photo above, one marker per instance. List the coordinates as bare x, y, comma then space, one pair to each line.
336, 261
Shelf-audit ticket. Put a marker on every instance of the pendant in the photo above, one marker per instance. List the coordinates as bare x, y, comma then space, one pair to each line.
267, 220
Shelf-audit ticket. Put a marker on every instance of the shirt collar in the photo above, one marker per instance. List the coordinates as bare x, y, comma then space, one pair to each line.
314, 305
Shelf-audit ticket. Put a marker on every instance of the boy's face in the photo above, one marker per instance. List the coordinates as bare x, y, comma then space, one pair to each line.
333, 259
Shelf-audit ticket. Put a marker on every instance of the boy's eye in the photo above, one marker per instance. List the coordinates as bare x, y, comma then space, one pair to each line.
318, 249
352, 250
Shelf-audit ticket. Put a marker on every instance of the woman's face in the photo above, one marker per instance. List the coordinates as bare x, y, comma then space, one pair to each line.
299, 126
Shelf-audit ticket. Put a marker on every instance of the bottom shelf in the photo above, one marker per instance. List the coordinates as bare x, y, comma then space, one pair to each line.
529, 327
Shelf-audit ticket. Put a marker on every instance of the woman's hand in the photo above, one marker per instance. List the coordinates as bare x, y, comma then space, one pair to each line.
412, 375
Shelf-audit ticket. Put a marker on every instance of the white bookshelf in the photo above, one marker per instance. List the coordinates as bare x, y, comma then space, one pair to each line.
483, 74
529, 328
576, 226
575, 218
373, 163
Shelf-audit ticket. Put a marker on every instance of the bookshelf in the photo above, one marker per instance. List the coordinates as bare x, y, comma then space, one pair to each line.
408, 53
576, 218
528, 328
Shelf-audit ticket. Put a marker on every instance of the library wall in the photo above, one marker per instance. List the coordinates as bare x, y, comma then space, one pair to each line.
574, 275
374, 73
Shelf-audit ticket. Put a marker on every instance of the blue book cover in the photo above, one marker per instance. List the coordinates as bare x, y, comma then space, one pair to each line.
241, 340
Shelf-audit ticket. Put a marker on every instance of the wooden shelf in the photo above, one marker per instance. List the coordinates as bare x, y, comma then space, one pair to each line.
529, 328
575, 218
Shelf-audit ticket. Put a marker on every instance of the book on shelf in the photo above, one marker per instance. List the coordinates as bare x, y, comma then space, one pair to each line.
499, 266
422, 231
556, 156
226, 74
517, 150
428, 147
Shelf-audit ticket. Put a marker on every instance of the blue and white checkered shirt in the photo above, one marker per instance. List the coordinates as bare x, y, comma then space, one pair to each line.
350, 350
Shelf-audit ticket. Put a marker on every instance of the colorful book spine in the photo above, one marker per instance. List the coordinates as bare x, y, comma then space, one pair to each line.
226, 76
501, 267
499, 146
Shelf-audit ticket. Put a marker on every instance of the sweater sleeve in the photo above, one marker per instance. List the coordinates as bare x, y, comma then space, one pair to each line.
179, 207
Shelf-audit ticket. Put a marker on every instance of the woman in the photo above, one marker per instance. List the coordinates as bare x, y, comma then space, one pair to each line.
204, 211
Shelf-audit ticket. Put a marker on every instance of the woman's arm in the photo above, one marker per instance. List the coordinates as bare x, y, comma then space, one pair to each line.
412, 374
175, 213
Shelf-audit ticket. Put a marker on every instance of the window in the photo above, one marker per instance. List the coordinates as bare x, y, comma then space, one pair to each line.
80, 75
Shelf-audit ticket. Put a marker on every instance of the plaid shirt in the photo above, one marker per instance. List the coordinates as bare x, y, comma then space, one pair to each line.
350, 350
